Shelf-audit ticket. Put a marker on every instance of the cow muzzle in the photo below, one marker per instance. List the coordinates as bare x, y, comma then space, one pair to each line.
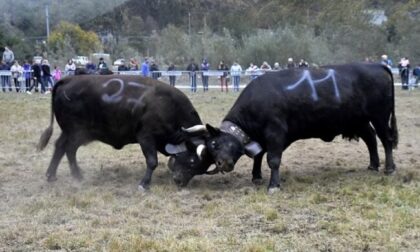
225, 165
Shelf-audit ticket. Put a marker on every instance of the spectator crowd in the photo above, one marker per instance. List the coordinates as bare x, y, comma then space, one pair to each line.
41, 77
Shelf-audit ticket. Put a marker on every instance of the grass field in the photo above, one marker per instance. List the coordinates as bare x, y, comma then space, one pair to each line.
329, 201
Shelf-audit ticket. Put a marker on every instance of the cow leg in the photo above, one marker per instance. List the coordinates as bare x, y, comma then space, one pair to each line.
274, 160
60, 147
384, 135
256, 169
148, 148
368, 135
71, 156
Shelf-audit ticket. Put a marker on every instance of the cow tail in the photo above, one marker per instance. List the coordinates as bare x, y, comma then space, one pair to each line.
46, 135
393, 119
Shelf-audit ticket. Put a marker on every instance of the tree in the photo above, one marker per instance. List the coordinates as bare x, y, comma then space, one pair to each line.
67, 35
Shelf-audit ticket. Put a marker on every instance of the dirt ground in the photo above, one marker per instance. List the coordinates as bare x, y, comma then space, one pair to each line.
329, 201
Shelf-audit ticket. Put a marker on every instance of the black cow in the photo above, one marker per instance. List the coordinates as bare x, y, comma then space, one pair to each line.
279, 108
82, 71
119, 111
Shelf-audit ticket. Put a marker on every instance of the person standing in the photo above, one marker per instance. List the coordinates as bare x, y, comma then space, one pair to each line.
387, 62
265, 66
27, 74
404, 68
90, 67
5, 79
17, 71
154, 69
276, 66
192, 68
122, 67
172, 78
134, 66
70, 67
46, 76
223, 78
145, 68
303, 63
8, 57
205, 66
56, 74
36, 70
290, 63
252, 70
102, 66
235, 72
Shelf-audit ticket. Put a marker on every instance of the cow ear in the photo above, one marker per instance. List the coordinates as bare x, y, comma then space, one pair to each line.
175, 149
212, 130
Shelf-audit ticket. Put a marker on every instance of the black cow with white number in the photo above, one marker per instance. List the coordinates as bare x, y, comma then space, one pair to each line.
279, 108
120, 110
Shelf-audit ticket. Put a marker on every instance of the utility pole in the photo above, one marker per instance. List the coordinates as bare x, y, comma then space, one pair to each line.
47, 17
189, 27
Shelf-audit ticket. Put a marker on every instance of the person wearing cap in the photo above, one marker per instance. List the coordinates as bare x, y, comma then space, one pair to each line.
102, 64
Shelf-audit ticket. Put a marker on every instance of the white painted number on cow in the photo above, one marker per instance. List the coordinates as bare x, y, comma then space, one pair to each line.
306, 76
117, 96
138, 101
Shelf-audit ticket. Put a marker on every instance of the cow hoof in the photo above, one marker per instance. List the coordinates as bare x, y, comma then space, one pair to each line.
273, 190
389, 172
373, 168
142, 188
51, 178
77, 176
257, 181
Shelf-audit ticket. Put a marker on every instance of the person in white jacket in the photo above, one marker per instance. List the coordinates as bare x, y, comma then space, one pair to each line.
235, 72
70, 68
17, 71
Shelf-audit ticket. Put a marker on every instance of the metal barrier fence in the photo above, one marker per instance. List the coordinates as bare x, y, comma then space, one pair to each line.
20, 82
182, 78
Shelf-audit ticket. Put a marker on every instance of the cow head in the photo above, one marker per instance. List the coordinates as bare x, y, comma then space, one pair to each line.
224, 148
186, 164
189, 158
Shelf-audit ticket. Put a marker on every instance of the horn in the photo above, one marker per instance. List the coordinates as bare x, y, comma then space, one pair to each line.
214, 171
200, 150
196, 128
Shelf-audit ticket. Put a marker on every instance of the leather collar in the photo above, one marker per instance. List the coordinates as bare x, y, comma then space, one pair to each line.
234, 130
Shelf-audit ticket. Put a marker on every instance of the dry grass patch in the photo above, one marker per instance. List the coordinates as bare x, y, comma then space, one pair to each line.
328, 201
